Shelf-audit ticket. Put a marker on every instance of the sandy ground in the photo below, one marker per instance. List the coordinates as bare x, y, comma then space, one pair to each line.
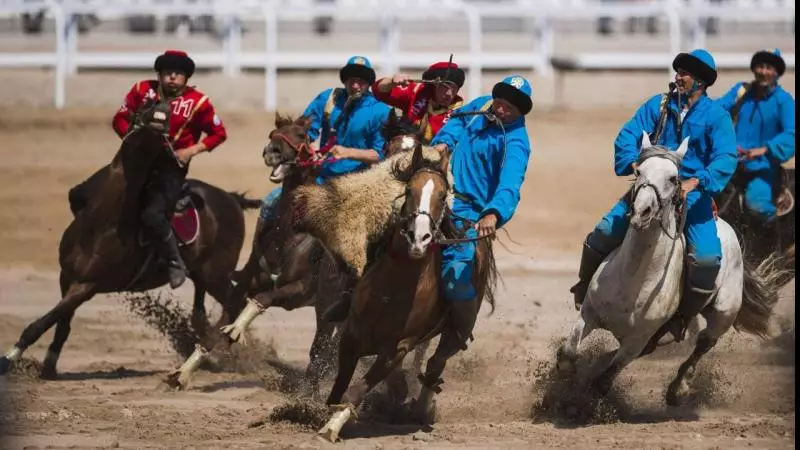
743, 395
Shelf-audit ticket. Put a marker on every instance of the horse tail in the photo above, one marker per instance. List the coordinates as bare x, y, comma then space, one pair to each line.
491, 276
760, 295
244, 201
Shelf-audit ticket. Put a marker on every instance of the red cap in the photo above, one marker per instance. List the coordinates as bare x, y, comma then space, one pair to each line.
176, 53
443, 65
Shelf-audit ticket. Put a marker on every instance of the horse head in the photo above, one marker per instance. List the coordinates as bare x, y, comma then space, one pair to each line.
288, 144
400, 134
425, 203
657, 190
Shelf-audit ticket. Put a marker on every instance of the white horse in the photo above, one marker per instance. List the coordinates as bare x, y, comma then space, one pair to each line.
638, 286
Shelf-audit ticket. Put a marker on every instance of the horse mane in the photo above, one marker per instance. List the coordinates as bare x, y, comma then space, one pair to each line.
658, 151
404, 172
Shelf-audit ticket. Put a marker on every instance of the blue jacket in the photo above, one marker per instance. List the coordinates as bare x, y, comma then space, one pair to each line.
711, 157
767, 122
487, 174
362, 131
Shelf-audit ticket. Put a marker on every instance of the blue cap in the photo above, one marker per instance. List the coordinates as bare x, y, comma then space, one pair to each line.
358, 67
699, 63
517, 91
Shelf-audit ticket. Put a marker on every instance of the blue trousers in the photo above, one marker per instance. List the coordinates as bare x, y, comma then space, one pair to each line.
268, 204
758, 194
704, 247
458, 261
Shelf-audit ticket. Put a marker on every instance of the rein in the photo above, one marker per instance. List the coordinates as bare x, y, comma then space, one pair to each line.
439, 237
316, 157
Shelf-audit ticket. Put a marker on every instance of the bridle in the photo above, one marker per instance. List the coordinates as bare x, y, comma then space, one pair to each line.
436, 231
315, 158
677, 201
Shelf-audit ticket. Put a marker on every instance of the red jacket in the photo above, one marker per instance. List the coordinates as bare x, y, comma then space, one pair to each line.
192, 114
415, 102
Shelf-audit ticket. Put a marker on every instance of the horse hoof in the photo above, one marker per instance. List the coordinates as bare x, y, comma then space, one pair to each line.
163, 386
48, 373
5, 365
673, 397
423, 414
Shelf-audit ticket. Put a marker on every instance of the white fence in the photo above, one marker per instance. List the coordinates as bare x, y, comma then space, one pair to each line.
67, 59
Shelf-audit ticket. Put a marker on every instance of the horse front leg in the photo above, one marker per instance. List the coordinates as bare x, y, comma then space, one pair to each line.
179, 379
629, 349
386, 362
568, 352
73, 296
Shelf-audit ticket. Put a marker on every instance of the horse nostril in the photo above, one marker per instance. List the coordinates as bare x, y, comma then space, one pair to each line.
646, 211
426, 238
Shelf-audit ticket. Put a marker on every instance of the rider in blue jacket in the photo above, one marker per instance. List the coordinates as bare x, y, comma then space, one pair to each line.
705, 171
763, 115
354, 115
488, 164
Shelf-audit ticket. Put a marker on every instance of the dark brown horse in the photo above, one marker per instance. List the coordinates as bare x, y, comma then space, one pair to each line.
286, 269
397, 303
100, 251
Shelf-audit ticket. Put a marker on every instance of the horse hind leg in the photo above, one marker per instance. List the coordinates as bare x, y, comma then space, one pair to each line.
73, 296
718, 322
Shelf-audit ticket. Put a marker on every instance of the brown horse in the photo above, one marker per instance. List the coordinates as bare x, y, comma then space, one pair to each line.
286, 269
397, 303
100, 251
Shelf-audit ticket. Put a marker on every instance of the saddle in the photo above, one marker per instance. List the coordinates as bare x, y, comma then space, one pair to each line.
185, 219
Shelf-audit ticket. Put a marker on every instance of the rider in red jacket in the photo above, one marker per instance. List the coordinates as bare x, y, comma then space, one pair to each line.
191, 115
427, 105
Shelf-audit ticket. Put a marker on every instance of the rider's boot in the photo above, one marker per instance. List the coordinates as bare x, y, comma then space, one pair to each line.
590, 261
697, 292
463, 315
168, 250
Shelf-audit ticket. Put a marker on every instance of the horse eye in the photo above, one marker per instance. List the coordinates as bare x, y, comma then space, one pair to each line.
636, 172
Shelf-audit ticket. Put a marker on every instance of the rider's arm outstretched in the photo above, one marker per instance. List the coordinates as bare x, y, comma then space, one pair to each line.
506, 196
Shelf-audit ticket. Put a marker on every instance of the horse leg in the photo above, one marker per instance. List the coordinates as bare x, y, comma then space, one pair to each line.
387, 361
348, 360
424, 407
718, 322
320, 356
76, 295
199, 316
568, 352
629, 349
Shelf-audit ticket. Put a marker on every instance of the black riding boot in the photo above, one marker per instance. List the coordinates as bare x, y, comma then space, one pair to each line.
590, 261
698, 288
168, 251
463, 316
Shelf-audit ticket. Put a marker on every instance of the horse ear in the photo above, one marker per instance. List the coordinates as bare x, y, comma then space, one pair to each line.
646, 140
304, 121
282, 121
416, 158
681, 152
